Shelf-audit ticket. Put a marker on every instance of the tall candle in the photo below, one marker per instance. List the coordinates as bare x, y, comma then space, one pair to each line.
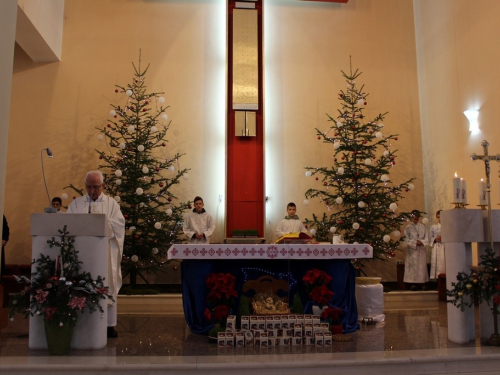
464, 191
457, 190
483, 201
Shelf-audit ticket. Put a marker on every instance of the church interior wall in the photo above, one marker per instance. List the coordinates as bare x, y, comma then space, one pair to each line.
420, 63
457, 68
307, 46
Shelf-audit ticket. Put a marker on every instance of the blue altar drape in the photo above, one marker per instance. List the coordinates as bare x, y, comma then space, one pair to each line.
194, 272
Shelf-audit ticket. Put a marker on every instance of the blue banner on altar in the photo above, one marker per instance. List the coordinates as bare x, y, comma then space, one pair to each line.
194, 273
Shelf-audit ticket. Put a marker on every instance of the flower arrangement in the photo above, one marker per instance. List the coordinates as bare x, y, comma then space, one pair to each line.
481, 284
221, 297
316, 283
58, 289
332, 315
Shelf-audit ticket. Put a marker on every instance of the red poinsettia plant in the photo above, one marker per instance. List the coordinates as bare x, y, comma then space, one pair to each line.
316, 283
332, 314
221, 296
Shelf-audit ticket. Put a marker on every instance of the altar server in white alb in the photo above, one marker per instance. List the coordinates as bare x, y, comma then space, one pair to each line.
291, 222
198, 225
96, 202
437, 256
416, 254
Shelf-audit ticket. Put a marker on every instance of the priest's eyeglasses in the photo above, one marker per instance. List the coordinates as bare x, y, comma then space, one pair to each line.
95, 187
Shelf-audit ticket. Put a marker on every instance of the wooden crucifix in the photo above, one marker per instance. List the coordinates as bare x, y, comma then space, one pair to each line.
487, 158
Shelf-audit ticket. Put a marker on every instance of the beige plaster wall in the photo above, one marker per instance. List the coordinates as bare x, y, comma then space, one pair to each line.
58, 105
307, 45
40, 28
458, 70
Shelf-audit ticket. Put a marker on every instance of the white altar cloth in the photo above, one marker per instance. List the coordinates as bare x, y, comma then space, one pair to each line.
269, 251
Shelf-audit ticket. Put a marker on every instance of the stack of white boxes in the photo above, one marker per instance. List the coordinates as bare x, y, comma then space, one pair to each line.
275, 330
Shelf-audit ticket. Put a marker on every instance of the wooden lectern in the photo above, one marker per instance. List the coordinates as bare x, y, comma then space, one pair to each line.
91, 233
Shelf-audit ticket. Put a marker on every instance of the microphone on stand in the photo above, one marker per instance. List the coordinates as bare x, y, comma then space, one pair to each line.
50, 209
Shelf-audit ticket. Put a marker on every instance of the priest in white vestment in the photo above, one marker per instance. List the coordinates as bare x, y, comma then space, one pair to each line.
198, 225
96, 202
416, 254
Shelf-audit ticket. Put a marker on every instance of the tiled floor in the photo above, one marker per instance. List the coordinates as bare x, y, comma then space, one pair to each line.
168, 335
412, 340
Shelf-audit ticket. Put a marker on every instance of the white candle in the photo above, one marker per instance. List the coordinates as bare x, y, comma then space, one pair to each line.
457, 190
483, 201
464, 191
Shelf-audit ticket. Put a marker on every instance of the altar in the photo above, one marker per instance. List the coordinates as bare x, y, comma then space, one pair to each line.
252, 263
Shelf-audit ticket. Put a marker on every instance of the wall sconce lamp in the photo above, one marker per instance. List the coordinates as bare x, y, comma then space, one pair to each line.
472, 115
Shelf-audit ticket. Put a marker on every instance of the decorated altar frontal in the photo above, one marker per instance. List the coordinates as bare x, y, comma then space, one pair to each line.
269, 251
276, 267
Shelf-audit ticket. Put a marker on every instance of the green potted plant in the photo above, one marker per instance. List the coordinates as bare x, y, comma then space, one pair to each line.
58, 290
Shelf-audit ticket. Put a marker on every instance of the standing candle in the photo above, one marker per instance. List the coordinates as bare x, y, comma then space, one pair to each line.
457, 190
464, 191
483, 201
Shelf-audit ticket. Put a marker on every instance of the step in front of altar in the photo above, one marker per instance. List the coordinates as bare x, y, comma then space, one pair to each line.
172, 303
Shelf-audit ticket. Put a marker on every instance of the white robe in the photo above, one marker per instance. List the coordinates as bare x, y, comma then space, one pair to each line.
438, 265
198, 223
416, 256
287, 226
108, 206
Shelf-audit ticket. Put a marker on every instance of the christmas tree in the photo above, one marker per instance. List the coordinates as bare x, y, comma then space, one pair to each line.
139, 173
357, 192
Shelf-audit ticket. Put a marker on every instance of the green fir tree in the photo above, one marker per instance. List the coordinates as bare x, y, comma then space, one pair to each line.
139, 172
358, 195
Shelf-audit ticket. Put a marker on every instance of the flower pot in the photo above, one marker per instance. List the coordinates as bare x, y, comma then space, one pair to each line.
336, 329
316, 310
58, 338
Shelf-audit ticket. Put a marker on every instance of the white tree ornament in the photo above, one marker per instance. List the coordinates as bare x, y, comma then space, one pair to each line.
158, 225
118, 173
355, 226
393, 206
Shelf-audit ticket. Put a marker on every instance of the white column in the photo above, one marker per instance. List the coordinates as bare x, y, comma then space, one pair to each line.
458, 229
460, 323
8, 17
